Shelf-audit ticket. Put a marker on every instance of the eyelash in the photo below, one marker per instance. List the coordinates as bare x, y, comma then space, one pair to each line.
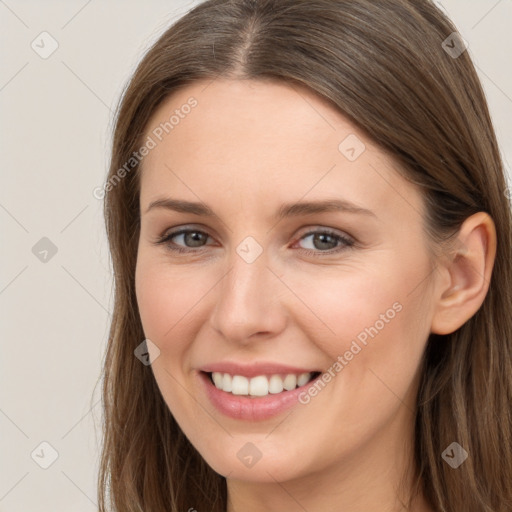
346, 243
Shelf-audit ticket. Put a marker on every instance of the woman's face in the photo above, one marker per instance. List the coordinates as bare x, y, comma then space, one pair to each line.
304, 252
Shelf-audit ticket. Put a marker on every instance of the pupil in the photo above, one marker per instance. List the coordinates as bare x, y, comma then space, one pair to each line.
194, 238
324, 239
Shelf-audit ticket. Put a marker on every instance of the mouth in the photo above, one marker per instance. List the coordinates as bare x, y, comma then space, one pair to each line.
261, 385
258, 397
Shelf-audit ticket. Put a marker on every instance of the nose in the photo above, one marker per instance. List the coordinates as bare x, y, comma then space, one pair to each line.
247, 304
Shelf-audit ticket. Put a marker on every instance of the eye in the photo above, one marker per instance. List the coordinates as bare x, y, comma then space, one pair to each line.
318, 243
325, 241
184, 240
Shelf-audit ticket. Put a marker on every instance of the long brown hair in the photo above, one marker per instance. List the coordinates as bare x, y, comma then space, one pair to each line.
387, 66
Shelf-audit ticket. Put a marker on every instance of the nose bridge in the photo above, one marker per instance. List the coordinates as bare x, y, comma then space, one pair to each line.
246, 298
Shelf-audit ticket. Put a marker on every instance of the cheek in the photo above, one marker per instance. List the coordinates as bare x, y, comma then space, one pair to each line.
345, 304
166, 302
165, 297
369, 319
380, 329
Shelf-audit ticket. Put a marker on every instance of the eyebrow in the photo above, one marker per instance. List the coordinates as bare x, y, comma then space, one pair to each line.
286, 210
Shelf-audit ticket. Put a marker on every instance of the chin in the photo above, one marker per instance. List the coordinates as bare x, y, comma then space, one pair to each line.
251, 465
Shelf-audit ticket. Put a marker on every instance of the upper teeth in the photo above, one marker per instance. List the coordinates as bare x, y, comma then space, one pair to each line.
258, 386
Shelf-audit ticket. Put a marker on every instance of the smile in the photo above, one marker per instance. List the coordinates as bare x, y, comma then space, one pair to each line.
256, 398
261, 385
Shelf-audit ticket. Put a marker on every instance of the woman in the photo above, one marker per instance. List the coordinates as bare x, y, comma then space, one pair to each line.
312, 255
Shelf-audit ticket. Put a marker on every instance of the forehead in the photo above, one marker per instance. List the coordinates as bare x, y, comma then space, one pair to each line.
260, 140
257, 113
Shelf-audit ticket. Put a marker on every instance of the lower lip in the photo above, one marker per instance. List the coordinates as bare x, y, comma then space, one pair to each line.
251, 409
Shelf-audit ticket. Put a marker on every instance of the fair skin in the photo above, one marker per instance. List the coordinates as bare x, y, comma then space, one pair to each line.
246, 149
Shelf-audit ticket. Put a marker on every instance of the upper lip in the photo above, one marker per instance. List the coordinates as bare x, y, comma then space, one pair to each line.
254, 369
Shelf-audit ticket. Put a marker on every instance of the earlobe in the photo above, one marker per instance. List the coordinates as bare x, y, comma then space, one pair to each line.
469, 268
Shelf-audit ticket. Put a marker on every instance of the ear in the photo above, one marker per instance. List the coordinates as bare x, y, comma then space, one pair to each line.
469, 271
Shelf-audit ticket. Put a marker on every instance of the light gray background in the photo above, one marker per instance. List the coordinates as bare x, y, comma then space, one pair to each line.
56, 116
